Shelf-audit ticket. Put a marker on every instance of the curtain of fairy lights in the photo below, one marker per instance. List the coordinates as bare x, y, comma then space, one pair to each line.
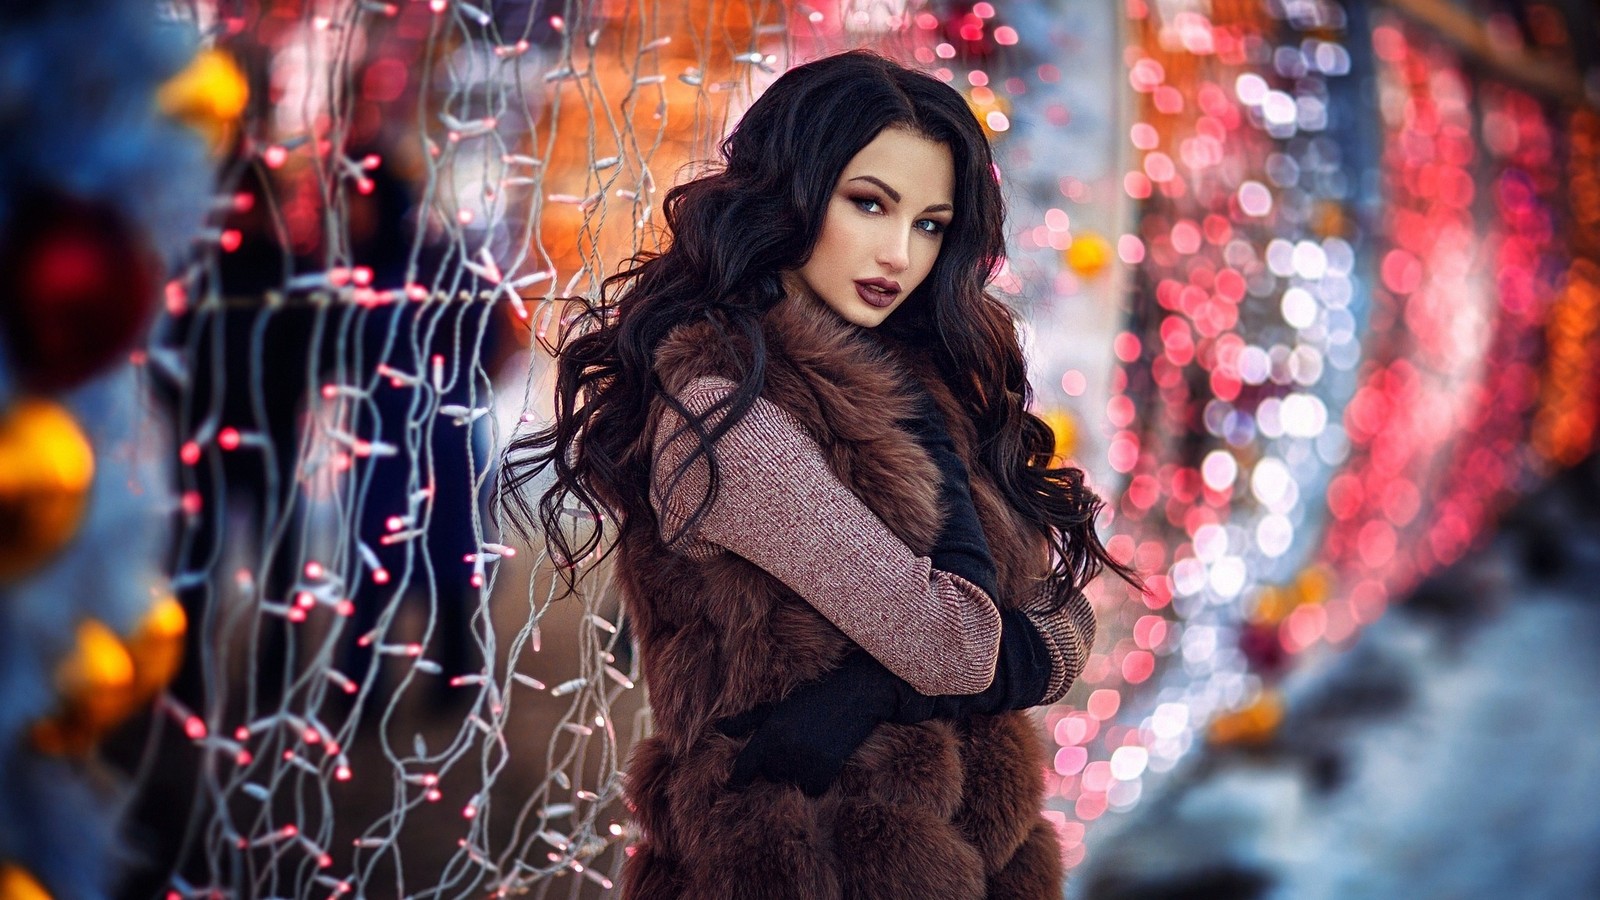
1243, 330
1361, 298
383, 694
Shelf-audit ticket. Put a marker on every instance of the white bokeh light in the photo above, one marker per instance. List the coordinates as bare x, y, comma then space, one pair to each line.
1309, 260
1270, 481
1210, 542
1255, 198
1219, 470
1250, 88
1188, 576
1279, 108
1274, 535
1303, 415
1254, 365
1228, 576
1128, 763
1299, 307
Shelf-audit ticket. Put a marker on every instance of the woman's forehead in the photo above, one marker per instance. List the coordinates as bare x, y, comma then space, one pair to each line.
920, 170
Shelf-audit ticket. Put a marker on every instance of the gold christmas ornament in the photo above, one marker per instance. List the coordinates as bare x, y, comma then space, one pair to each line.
17, 884
104, 679
209, 95
94, 682
46, 466
156, 647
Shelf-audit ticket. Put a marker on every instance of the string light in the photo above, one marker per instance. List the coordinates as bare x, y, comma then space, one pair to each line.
1247, 395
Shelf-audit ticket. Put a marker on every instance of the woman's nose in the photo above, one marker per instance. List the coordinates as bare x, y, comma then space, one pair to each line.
894, 252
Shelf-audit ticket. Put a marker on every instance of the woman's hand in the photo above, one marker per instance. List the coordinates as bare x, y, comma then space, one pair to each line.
961, 548
805, 738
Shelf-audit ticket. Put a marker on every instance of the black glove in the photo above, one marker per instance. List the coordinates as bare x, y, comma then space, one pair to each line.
1022, 672
1021, 676
960, 548
805, 738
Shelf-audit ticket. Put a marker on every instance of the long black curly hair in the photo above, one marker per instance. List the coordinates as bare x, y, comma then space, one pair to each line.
733, 234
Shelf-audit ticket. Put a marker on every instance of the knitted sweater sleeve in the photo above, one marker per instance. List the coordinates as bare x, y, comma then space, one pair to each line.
1068, 635
779, 506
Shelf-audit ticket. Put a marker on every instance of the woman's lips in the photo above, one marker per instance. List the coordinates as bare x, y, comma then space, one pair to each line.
876, 293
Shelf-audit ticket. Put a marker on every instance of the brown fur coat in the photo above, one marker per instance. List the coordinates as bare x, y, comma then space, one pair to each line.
939, 810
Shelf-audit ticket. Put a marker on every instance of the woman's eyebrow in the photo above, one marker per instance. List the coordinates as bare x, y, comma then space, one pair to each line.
895, 195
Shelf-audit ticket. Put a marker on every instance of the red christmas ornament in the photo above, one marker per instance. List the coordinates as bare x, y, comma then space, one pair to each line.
77, 285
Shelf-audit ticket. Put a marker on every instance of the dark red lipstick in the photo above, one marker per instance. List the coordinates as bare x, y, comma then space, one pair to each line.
879, 292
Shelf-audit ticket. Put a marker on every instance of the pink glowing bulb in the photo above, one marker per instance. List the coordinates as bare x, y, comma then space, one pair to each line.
177, 299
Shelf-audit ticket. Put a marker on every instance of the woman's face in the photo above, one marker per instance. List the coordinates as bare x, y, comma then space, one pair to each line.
883, 228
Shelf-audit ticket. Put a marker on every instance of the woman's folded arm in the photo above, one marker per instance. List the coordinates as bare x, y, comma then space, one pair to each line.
779, 506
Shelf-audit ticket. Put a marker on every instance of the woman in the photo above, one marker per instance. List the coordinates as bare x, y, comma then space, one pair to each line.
845, 556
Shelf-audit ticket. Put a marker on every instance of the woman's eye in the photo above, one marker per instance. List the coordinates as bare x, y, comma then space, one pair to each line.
867, 204
930, 226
